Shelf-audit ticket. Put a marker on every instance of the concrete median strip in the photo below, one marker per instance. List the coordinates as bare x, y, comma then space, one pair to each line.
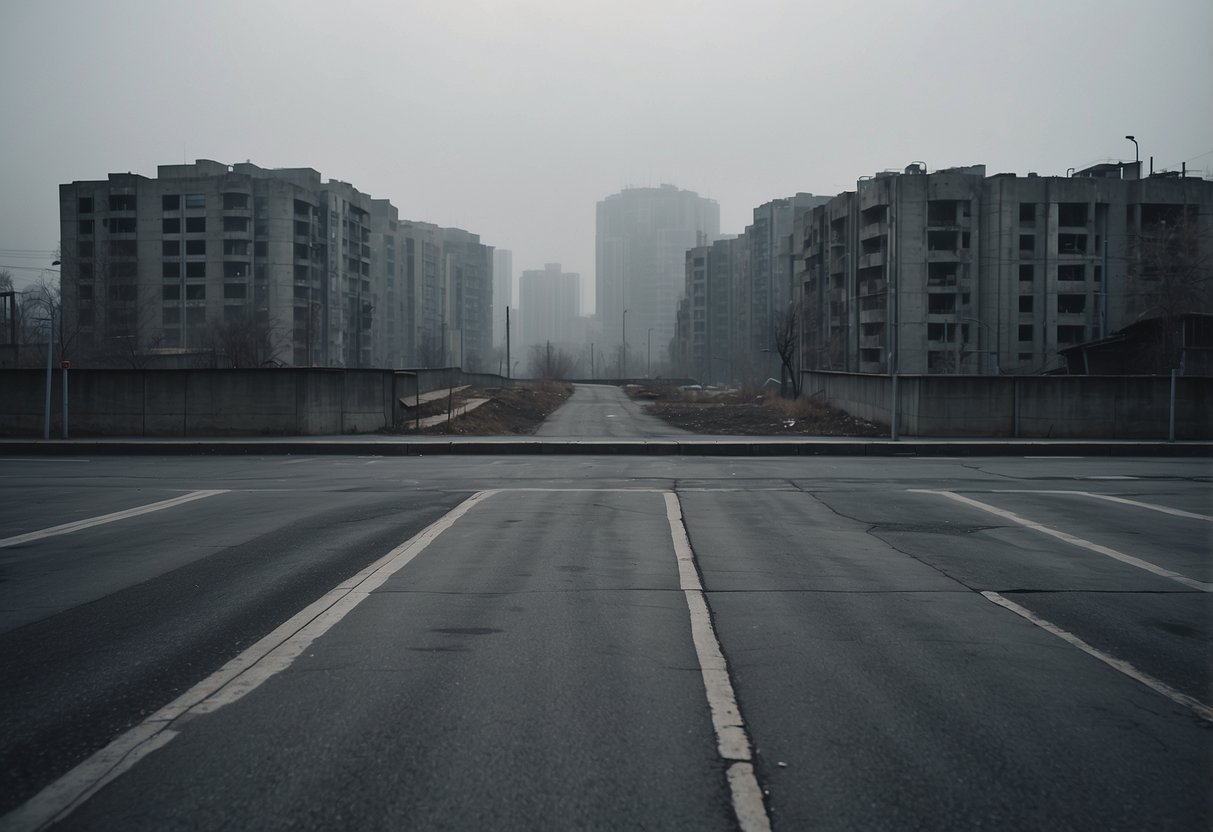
732, 743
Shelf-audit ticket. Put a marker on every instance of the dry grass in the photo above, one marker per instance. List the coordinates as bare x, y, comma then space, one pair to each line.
511, 411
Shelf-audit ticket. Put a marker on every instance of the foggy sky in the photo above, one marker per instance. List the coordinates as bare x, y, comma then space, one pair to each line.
513, 119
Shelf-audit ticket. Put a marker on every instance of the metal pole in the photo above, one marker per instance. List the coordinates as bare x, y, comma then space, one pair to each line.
648, 372
64, 395
893, 410
1171, 426
50, 350
623, 359
508, 373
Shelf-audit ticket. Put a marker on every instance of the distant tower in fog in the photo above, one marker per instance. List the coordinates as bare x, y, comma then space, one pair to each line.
503, 291
549, 301
640, 264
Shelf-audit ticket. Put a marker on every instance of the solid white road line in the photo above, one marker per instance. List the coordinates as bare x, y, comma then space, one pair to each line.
271, 654
1175, 512
1072, 540
731, 740
1199, 708
68, 528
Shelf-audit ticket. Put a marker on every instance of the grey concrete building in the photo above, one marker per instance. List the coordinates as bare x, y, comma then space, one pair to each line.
642, 238
503, 292
549, 307
705, 341
238, 264
958, 272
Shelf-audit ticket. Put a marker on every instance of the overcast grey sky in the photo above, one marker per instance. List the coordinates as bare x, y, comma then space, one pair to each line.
512, 119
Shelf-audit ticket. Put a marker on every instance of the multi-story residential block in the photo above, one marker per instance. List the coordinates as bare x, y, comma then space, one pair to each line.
958, 272
549, 305
642, 238
255, 266
705, 340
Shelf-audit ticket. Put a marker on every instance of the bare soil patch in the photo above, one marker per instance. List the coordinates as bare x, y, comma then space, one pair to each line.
736, 413
510, 411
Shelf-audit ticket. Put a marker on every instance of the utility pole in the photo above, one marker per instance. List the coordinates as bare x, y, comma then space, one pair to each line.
508, 372
623, 355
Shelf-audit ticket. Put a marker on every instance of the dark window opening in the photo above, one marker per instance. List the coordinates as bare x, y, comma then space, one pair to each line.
235, 202
1027, 273
942, 274
238, 248
1071, 304
196, 269
1072, 272
941, 304
1025, 332
170, 291
302, 209
122, 202
235, 224
170, 268
84, 205
122, 225
1070, 334
1027, 244
941, 240
1027, 213
170, 248
233, 269
235, 291
123, 248
196, 291
1026, 303
170, 202
1072, 213
941, 212
1071, 243
195, 225
195, 247
941, 332
170, 225
84, 227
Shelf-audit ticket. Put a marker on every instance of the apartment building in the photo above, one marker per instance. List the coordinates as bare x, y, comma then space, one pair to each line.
642, 238
257, 266
503, 292
955, 271
549, 306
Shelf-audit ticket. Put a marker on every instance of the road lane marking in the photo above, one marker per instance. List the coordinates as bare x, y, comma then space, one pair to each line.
732, 742
68, 528
1071, 539
250, 669
1195, 705
1176, 512
40, 459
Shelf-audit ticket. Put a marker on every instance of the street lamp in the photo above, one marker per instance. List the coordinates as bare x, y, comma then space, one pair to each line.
1136, 155
993, 352
648, 373
623, 355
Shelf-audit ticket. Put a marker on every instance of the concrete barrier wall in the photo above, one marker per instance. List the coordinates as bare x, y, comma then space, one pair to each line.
1070, 407
281, 402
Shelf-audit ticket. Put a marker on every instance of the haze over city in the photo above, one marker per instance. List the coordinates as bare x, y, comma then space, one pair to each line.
513, 120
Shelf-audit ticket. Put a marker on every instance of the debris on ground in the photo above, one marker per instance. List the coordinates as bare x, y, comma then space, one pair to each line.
510, 411
736, 413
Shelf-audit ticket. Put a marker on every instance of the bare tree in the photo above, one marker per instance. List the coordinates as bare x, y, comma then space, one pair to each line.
550, 363
243, 342
785, 326
1170, 274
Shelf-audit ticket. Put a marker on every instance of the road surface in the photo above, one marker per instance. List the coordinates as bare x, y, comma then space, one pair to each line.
602, 411
522, 643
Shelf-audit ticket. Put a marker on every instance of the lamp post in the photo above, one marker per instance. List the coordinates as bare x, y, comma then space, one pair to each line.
1136, 156
648, 372
993, 352
623, 355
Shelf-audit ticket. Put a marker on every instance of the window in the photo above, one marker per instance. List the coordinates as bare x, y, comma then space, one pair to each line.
170, 248
123, 248
1025, 303
196, 291
1027, 244
941, 212
234, 291
1073, 272
1071, 304
1071, 243
195, 225
1027, 213
123, 292
125, 269
238, 248
1027, 273
170, 268
232, 269
235, 202
301, 251
195, 316
84, 293
1072, 213
302, 209
195, 247
84, 205
195, 200
1070, 334
122, 225
122, 202
86, 271
302, 229
85, 227
260, 248
170, 291
170, 225
1025, 356
941, 332
85, 248
941, 304
170, 202
1025, 332
941, 241
196, 269
235, 224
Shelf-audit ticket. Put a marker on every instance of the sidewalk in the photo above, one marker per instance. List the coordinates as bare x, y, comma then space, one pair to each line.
690, 445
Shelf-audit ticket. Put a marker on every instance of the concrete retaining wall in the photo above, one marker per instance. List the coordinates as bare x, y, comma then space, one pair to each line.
276, 402
1070, 407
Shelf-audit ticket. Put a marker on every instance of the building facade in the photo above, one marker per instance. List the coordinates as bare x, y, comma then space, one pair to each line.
549, 306
255, 266
958, 272
642, 238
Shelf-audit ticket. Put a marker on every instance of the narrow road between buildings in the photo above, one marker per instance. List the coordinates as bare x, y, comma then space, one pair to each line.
603, 411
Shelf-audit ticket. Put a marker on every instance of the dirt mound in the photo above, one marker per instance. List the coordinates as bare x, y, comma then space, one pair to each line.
511, 411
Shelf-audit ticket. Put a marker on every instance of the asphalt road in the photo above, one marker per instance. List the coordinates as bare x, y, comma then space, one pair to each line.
602, 411
942, 643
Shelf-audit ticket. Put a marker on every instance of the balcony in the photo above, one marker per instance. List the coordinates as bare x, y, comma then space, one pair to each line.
875, 229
